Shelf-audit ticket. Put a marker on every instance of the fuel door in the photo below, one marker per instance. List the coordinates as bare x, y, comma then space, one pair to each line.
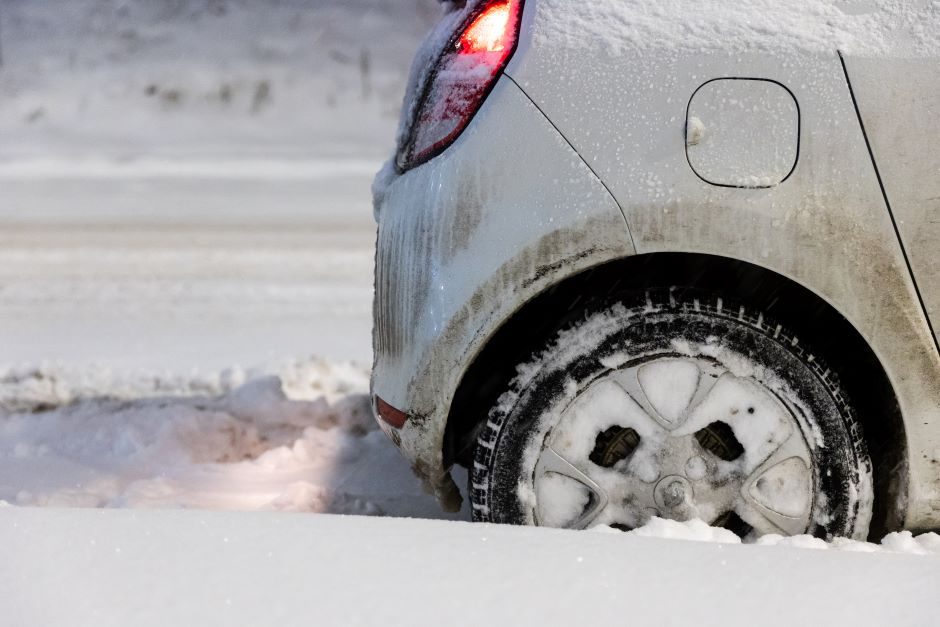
743, 132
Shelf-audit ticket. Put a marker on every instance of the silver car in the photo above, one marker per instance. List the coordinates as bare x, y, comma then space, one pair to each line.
643, 259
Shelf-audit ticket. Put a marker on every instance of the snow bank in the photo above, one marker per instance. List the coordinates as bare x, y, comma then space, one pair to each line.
198, 568
692, 530
699, 531
299, 437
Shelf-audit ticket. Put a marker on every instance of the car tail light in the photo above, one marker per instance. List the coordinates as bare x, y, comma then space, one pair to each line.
461, 79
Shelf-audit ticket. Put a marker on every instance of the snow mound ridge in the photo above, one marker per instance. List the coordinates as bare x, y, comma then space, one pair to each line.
298, 437
700, 531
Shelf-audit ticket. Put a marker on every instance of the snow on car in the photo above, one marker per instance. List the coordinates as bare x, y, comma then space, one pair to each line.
642, 260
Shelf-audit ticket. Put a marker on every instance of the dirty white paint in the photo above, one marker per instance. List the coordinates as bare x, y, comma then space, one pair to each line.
826, 227
457, 255
747, 133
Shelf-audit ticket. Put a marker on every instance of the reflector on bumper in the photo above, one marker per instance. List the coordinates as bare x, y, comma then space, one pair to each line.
389, 414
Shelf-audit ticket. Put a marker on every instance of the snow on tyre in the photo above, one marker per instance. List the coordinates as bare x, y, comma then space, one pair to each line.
677, 408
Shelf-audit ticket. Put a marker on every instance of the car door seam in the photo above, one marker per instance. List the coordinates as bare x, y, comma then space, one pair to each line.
884, 193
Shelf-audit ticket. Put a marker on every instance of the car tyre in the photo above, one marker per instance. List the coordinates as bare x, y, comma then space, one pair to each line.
674, 404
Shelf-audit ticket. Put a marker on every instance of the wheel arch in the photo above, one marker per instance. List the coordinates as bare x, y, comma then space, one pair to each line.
815, 320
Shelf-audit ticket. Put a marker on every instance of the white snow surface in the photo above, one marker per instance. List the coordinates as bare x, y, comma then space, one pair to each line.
699, 531
299, 437
906, 28
229, 79
209, 568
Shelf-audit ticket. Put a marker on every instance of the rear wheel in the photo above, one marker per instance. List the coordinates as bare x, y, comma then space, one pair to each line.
680, 408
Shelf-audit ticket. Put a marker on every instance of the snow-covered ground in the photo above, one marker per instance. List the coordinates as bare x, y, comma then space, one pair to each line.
221, 78
299, 437
186, 184
183, 272
186, 282
123, 568
186, 249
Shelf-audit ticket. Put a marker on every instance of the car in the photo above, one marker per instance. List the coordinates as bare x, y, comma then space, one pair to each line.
672, 260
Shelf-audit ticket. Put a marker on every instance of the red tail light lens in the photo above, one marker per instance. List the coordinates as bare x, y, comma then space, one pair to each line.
461, 79
489, 32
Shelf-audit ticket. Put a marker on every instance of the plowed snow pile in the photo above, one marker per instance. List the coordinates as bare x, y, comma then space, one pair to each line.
298, 437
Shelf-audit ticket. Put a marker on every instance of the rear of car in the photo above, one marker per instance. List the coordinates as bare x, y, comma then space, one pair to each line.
459, 253
550, 152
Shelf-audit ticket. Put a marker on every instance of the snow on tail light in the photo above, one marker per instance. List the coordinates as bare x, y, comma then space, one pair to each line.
461, 79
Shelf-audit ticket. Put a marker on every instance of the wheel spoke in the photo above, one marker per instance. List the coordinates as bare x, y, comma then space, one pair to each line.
793, 446
766, 521
630, 383
706, 383
669, 386
605, 404
550, 462
779, 491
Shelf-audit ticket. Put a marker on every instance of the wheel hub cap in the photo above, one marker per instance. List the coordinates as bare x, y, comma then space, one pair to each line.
676, 437
673, 492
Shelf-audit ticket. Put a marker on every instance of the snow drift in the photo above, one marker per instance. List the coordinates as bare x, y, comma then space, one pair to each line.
300, 437
172, 568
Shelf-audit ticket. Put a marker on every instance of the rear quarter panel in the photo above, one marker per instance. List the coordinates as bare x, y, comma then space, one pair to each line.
899, 102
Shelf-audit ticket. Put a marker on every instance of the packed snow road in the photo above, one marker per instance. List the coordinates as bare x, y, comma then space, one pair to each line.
184, 269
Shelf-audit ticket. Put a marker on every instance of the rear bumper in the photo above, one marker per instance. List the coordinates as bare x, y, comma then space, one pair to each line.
463, 241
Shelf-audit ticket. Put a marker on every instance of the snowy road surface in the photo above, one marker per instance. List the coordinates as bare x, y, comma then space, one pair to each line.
184, 270
181, 337
198, 568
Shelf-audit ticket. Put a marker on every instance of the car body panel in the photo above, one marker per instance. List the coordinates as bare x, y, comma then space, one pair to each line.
899, 101
826, 227
457, 255
515, 206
